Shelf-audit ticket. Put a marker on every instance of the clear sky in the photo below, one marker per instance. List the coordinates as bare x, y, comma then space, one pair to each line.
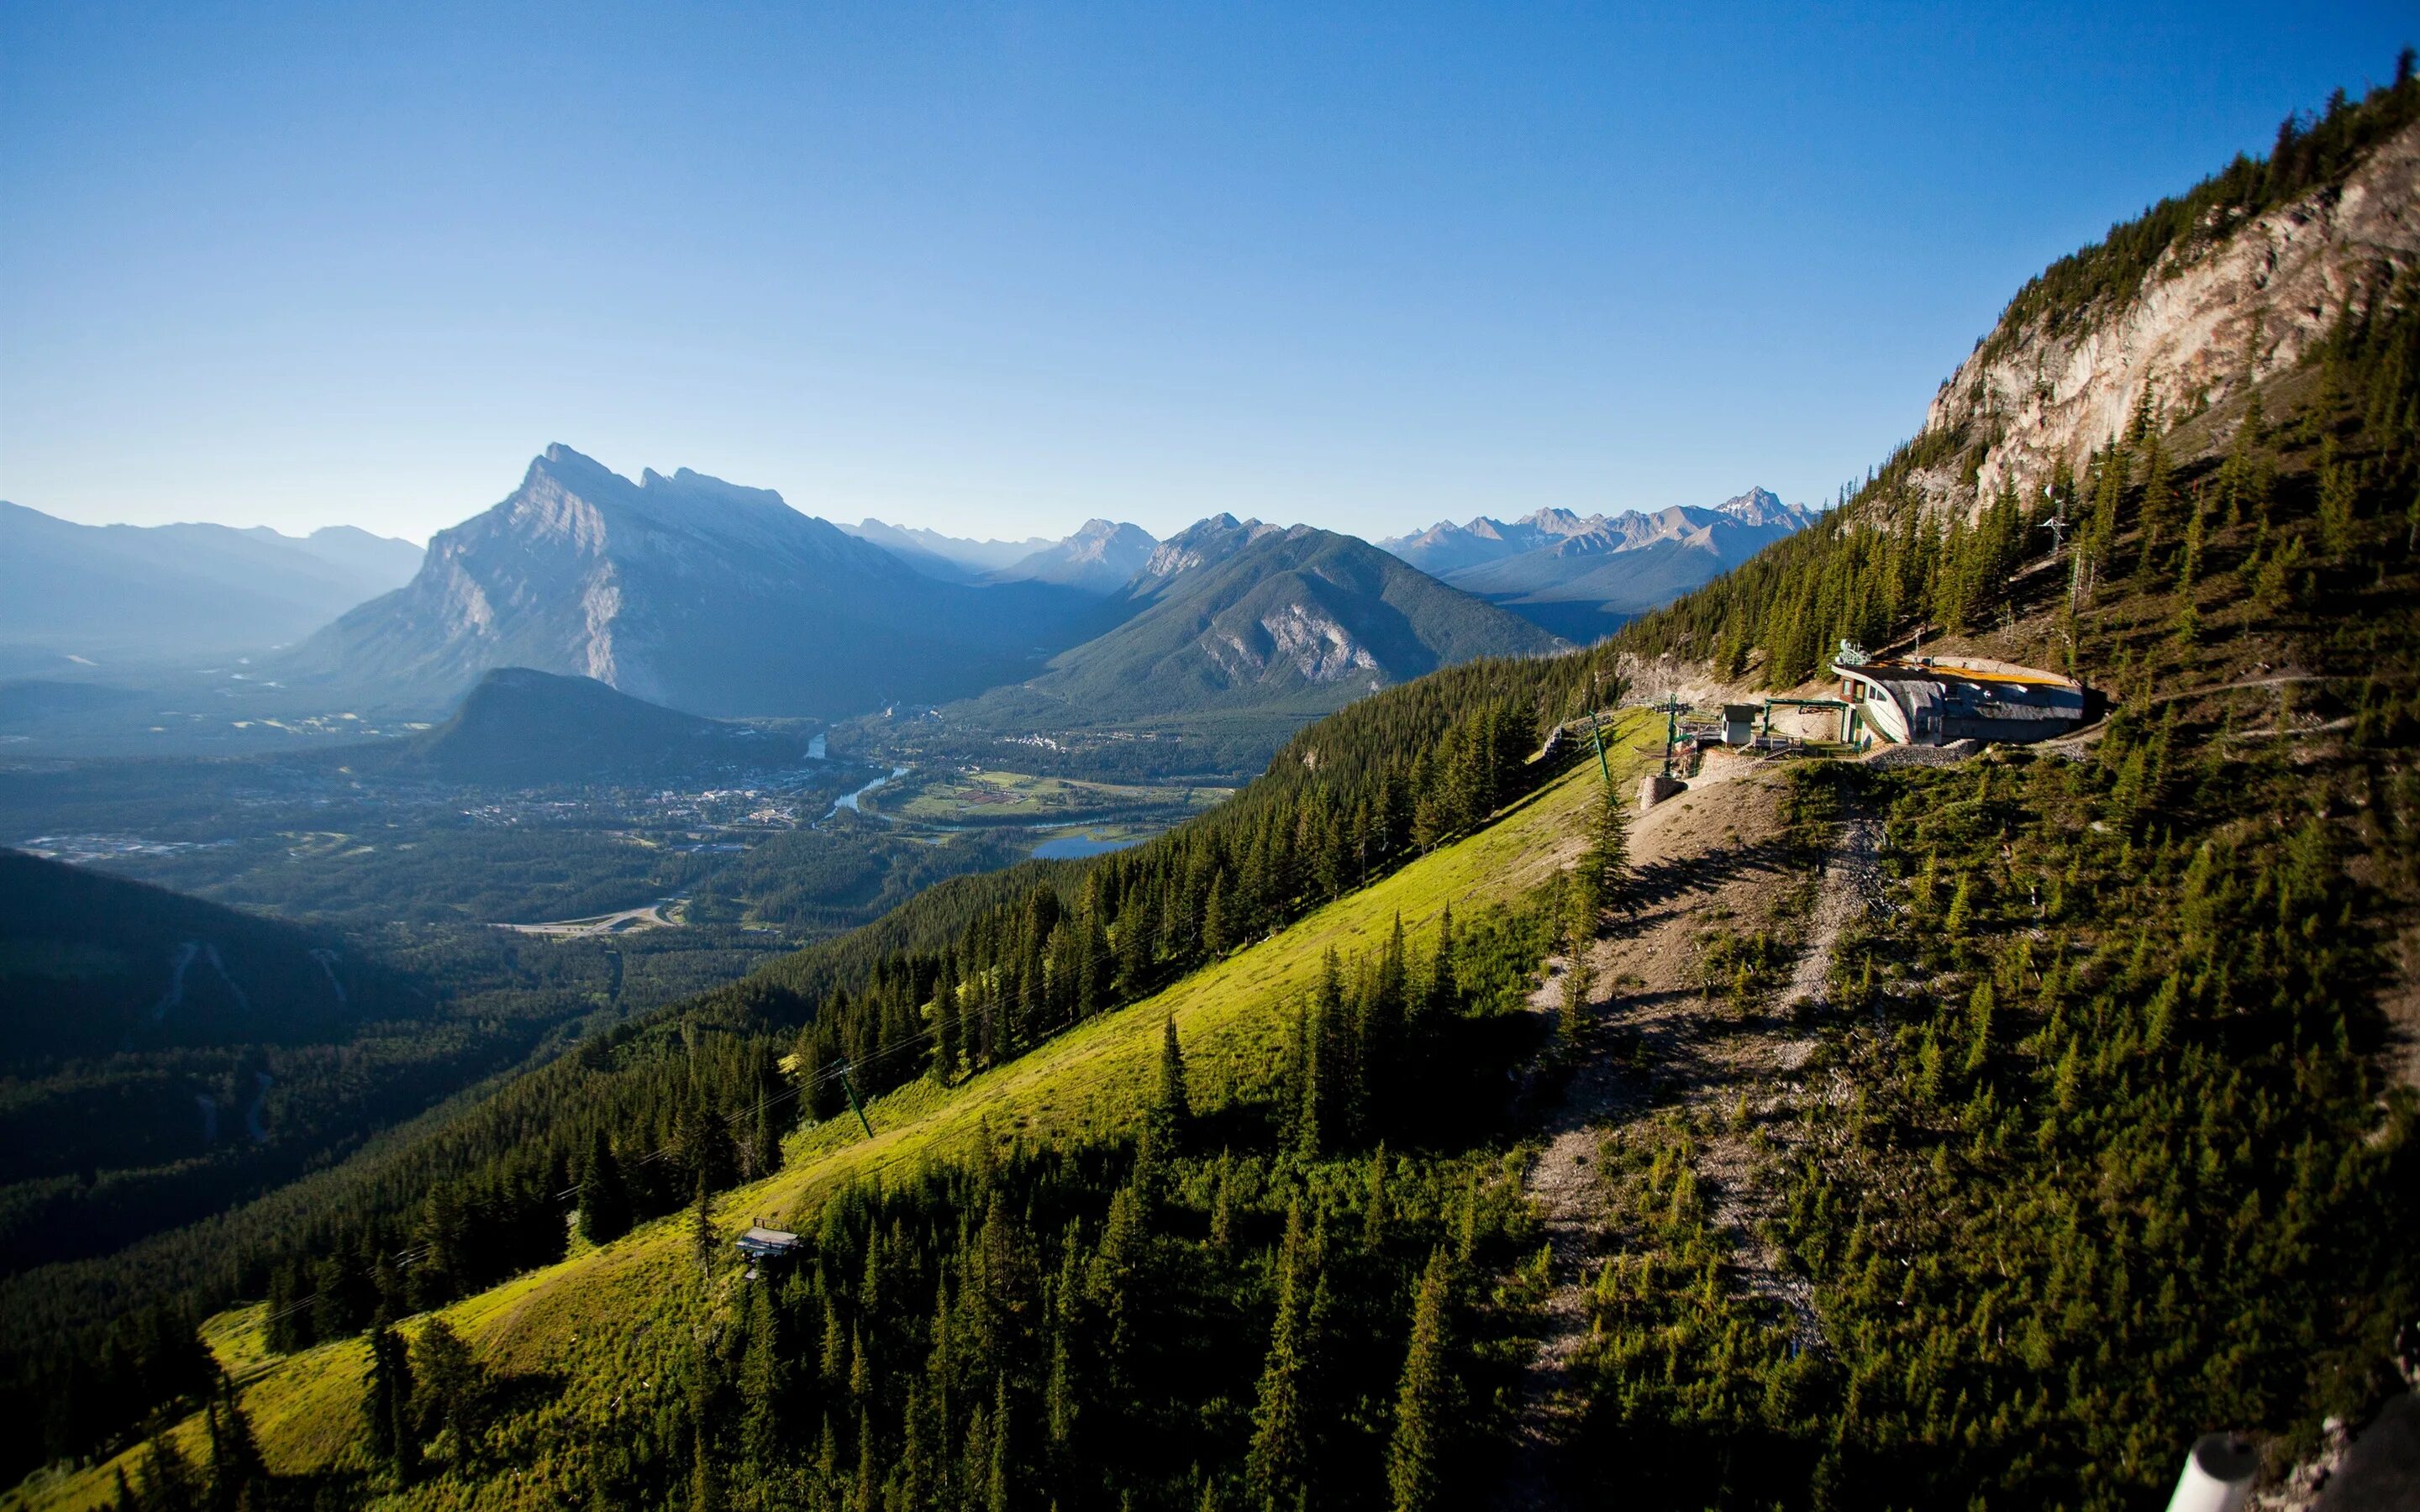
996, 268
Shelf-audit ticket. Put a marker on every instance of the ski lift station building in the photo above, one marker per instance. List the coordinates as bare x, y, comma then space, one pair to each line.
1932, 701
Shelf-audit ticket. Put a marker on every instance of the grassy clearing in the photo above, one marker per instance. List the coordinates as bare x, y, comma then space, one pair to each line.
1022, 798
622, 1312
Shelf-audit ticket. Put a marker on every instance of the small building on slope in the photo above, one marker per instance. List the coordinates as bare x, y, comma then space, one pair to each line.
1932, 701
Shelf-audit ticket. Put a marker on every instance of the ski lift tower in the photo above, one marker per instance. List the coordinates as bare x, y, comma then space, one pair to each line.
1674, 709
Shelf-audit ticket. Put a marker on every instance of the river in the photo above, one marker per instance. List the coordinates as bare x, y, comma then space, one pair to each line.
848, 800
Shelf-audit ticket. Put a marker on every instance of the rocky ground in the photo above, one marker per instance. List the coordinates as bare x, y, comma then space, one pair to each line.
1712, 857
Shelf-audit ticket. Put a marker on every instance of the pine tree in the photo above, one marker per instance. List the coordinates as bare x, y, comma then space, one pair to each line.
1215, 920
706, 1476
236, 1466
1427, 1402
1442, 996
604, 1201
169, 1483
1579, 975
387, 1405
996, 1486
446, 1387
765, 1380
1171, 1109
1605, 865
1278, 1466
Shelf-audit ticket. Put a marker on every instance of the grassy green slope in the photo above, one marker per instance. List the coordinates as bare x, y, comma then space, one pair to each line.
620, 1313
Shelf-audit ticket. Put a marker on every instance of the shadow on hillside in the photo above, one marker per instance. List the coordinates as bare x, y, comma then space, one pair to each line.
1669, 881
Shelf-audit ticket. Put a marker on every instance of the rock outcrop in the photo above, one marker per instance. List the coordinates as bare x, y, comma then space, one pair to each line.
2209, 320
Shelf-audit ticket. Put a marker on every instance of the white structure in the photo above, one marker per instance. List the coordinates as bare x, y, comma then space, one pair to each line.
2218, 1475
1937, 700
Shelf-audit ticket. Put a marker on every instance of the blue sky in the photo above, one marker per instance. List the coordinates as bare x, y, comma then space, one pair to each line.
997, 269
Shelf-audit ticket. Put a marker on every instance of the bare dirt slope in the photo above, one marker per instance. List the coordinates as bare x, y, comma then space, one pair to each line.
1711, 858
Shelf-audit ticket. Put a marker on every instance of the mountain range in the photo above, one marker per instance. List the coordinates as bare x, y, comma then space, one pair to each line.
719, 600
76, 594
714, 599
1582, 576
690, 592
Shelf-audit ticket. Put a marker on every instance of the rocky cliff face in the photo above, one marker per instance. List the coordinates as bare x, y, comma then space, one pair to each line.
2209, 320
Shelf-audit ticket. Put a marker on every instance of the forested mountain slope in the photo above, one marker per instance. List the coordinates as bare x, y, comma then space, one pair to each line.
1244, 622
165, 1058
2099, 1138
521, 726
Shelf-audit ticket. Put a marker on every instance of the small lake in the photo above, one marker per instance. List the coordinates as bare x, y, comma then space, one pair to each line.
1069, 847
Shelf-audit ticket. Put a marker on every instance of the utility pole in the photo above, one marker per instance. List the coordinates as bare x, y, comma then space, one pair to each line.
1671, 727
1594, 733
854, 1107
2056, 525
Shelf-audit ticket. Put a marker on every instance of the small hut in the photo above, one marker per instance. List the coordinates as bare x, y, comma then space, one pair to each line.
763, 1244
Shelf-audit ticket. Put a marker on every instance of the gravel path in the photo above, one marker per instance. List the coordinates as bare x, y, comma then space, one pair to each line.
1713, 854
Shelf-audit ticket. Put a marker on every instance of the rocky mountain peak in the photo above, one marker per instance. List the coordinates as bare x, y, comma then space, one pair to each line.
1202, 542
2211, 317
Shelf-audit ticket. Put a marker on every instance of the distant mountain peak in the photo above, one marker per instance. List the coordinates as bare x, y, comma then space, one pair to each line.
1761, 506
1581, 575
1254, 617
1204, 542
1102, 557
1556, 521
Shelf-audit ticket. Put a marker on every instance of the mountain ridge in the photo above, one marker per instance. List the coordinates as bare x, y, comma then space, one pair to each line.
686, 591
1581, 577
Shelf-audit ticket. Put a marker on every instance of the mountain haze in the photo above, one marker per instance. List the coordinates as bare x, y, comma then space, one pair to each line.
951, 558
113, 594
